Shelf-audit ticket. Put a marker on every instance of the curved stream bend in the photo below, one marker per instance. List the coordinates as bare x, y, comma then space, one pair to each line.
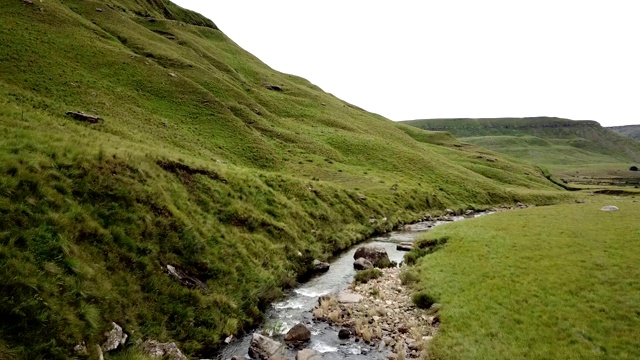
297, 306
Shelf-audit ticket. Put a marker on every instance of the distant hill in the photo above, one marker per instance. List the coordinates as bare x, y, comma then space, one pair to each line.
632, 131
565, 146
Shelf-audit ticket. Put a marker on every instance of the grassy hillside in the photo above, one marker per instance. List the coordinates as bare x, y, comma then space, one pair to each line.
557, 282
632, 131
204, 159
574, 150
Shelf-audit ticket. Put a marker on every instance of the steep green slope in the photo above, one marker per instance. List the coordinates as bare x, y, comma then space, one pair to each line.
566, 147
205, 159
632, 131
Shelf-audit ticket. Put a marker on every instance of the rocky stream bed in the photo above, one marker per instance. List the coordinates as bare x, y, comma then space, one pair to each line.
331, 317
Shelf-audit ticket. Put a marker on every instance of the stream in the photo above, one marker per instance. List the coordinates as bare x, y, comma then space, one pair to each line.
297, 306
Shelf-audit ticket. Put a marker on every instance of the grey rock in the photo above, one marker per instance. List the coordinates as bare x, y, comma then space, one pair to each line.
345, 297
80, 349
262, 347
610, 208
184, 279
273, 87
404, 246
362, 264
320, 266
99, 352
115, 337
157, 349
308, 354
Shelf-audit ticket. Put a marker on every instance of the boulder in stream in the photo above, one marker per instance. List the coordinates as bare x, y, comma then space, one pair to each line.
375, 254
319, 266
344, 334
298, 334
405, 246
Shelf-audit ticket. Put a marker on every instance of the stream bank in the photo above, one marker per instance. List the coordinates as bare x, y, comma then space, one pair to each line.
297, 306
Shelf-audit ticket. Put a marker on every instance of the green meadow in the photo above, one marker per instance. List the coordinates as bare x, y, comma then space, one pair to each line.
579, 152
553, 282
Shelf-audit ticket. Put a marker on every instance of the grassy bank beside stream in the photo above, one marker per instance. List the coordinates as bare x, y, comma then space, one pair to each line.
556, 282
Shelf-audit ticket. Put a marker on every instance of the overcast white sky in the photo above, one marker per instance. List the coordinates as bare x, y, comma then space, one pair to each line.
429, 59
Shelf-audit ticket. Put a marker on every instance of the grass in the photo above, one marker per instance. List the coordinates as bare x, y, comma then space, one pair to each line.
365, 275
197, 165
556, 282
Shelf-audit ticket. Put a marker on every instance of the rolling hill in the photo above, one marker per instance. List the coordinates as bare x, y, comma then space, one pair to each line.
578, 151
198, 157
632, 131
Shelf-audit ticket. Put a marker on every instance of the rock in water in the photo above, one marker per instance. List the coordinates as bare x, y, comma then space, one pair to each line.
298, 334
344, 334
320, 266
262, 347
308, 354
405, 246
610, 208
375, 254
362, 264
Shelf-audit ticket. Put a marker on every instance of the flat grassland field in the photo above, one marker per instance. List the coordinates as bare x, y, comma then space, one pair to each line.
556, 282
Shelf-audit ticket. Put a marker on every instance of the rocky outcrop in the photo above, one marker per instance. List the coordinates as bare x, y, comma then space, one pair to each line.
377, 255
114, 338
79, 115
362, 264
262, 347
184, 279
298, 334
164, 350
273, 87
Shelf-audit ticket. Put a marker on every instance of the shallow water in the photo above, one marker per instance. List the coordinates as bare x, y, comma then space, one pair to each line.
296, 307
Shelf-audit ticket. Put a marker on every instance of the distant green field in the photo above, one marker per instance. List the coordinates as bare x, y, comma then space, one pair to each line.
576, 151
556, 282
